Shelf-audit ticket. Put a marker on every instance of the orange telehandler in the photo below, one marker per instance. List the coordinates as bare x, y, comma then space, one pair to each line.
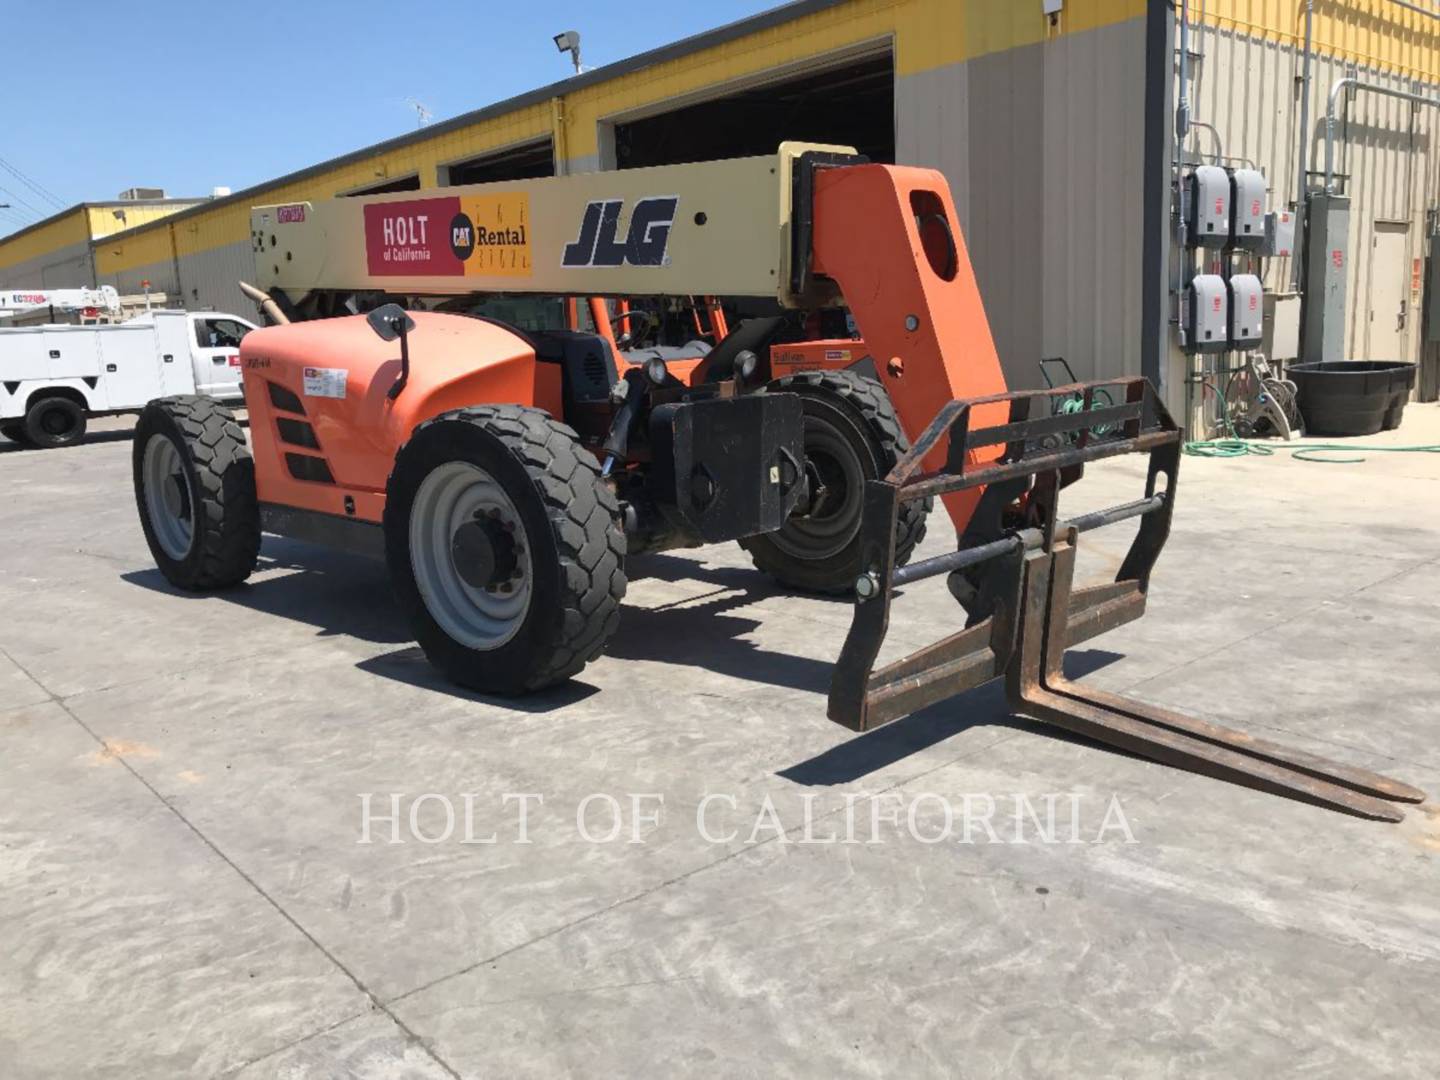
504, 473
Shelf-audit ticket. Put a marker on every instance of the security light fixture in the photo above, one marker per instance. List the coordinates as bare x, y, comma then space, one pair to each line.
569, 41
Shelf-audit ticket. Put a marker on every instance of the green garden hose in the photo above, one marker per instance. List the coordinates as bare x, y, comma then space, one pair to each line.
1230, 445
1101, 399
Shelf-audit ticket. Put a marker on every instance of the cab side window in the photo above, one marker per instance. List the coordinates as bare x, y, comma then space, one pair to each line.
219, 333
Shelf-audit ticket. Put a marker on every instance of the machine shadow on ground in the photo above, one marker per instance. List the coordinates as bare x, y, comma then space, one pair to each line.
347, 595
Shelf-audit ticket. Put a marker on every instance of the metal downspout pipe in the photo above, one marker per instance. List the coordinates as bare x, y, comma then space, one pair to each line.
1302, 169
1356, 84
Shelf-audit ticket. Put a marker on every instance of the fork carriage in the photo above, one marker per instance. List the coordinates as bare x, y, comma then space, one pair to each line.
1023, 608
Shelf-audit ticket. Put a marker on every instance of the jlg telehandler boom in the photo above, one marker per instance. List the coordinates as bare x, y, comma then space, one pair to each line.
504, 470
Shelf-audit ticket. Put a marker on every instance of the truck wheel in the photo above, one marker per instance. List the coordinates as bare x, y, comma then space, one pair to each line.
851, 436
506, 548
195, 490
55, 421
14, 430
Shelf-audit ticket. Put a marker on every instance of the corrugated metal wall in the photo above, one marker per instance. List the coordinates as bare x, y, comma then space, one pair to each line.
1246, 82
49, 244
64, 267
1043, 146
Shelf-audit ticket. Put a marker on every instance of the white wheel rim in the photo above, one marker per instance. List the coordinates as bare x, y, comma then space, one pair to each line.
169, 501
453, 496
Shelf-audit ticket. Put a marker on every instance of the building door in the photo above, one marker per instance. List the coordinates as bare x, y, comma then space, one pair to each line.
1389, 291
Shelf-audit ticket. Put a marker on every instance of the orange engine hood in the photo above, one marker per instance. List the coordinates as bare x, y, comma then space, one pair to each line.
335, 376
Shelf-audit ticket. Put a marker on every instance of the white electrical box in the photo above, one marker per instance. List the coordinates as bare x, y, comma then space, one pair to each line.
1247, 311
1209, 197
1279, 233
1281, 335
1207, 313
1247, 208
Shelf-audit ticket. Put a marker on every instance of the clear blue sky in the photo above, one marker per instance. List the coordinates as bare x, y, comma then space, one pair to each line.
96, 97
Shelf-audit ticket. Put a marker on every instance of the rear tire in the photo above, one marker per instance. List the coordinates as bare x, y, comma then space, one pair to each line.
195, 491
53, 422
851, 436
505, 548
14, 430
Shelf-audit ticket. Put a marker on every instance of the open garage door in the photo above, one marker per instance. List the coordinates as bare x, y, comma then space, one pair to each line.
847, 100
385, 187
851, 102
529, 161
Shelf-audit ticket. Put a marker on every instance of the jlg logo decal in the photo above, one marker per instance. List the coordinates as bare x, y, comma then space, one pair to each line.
645, 242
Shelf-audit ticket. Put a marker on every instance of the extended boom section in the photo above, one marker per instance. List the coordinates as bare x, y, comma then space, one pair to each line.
1024, 609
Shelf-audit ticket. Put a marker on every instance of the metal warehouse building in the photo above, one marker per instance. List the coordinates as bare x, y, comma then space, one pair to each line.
59, 252
1054, 121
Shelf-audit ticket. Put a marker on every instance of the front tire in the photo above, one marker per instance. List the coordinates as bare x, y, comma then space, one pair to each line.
53, 422
195, 490
852, 436
505, 548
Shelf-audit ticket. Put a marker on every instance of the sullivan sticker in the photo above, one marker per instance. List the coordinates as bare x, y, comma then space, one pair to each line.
449, 237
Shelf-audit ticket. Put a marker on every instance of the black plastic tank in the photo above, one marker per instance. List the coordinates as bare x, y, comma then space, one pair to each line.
1352, 397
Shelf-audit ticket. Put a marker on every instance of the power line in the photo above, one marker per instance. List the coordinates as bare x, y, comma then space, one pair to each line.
43, 192
12, 223
23, 204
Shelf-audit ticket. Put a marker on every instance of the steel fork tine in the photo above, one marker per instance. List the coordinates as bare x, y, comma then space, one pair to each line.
1040, 688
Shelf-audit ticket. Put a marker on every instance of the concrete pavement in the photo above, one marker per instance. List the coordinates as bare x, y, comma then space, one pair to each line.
186, 890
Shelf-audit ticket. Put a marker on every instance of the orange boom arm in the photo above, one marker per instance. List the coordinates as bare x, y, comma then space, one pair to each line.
888, 236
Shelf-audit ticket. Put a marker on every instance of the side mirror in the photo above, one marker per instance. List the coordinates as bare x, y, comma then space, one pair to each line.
389, 321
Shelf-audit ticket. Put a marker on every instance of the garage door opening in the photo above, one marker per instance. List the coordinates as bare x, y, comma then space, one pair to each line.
852, 104
528, 162
403, 183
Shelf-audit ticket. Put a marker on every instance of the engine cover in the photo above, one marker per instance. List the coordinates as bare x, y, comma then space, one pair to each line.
324, 429
729, 467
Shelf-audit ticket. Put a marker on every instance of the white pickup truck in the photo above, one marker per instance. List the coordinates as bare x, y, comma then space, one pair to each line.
53, 378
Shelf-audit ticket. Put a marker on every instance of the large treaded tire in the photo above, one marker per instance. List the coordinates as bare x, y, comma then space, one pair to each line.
571, 522
220, 474
857, 406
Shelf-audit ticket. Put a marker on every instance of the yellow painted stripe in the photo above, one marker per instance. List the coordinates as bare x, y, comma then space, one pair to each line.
1374, 33
103, 219
62, 232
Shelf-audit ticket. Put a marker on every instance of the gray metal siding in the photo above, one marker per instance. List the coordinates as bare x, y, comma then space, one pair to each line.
1249, 90
69, 267
210, 279
1044, 150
